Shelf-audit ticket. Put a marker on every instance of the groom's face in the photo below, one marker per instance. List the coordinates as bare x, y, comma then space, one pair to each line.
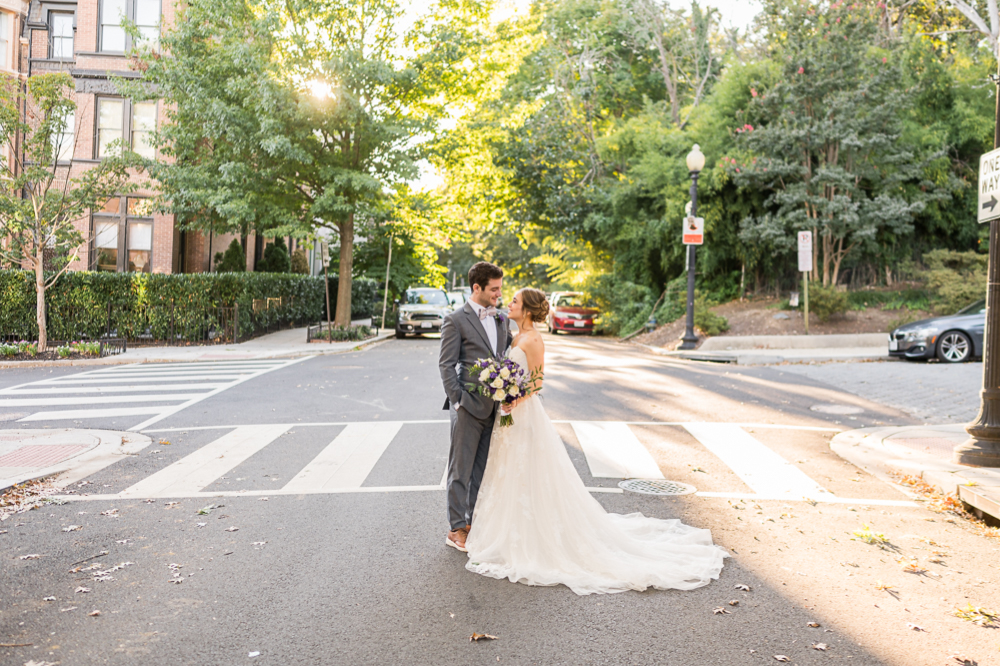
490, 295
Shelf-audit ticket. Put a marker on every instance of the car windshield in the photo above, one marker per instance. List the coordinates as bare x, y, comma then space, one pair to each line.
457, 297
976, 308
426, 297
573, 301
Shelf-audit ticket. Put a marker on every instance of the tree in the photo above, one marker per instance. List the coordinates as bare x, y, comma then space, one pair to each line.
824, 142
40, 202
233, 261
287, 117
275, 259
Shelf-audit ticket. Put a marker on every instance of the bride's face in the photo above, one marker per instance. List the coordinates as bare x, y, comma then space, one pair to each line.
514, 309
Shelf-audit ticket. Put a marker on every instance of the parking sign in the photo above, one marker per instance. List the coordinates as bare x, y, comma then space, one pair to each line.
805, 251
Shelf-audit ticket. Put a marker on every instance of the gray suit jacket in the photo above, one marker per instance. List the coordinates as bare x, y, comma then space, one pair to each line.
463, 342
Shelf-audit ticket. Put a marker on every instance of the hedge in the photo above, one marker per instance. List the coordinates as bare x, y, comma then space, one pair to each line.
78, 302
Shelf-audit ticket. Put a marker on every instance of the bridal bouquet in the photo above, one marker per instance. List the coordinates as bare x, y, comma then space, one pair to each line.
501, 380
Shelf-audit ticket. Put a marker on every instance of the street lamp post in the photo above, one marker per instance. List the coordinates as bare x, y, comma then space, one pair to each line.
695, 163
982, 449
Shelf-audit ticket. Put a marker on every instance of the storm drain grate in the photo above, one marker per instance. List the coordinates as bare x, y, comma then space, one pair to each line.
651, 487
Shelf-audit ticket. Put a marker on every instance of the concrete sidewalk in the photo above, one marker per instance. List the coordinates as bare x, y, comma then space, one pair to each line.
74, 454
924, 452
286, 343
773, 349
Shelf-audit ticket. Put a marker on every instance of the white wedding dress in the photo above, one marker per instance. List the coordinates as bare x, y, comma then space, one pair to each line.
536, 523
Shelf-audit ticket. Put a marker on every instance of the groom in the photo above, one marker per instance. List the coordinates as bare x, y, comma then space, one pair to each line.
468, 334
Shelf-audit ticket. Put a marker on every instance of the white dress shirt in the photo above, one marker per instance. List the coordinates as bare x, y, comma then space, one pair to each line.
489, 324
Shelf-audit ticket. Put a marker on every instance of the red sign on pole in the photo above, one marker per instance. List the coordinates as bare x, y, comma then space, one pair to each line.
694, 230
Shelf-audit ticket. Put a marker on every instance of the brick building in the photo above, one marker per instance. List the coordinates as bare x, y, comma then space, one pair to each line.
85, 39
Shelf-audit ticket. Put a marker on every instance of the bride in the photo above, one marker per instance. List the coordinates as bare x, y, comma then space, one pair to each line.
536, 523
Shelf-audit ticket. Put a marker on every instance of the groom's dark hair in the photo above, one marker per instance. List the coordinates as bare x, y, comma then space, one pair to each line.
483, 272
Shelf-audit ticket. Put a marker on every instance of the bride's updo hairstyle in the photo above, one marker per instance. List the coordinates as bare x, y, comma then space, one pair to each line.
534, 304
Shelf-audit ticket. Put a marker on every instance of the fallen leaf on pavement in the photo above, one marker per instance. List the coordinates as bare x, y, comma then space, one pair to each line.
205, 510
93, 613
164, 442
171, 503
977, 615
201, 524
41, 663
253, 654
232, 529
66, 610
820, 646
110, 512
742, 588
48, 598
83, 590
33, 556
964, 661
155, 451
72, 528
814, 625
914, 627
262, 499
721, 611
781, 657
734, 602
478, 637
258, 543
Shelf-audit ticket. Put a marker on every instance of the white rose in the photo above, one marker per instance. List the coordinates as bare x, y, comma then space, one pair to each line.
514, 391
484, 375
499, 396
497, 383
505, 373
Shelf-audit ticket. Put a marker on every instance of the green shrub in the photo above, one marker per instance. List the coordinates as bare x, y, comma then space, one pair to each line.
275, 259
64, 351
8, 350
300, 264
897, 299
825, 302
345, 333
624, 306
233, 261
707, 321
955, 279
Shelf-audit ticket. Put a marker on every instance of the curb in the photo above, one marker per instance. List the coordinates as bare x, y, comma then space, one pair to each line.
871, 450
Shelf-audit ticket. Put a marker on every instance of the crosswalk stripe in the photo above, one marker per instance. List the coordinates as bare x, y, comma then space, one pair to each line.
766, 472
119, 380
73, 414
95, 400
199, 469
347, 460
107, 389
613, 451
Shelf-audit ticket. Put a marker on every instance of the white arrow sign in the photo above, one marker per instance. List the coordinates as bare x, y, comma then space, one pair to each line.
989, 186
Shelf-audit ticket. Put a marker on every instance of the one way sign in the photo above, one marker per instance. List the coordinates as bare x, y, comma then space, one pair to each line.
989, 186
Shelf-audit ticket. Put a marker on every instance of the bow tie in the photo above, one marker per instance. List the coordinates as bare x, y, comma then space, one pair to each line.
487, 312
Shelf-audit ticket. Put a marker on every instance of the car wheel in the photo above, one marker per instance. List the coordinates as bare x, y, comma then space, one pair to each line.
400, 335
954, 347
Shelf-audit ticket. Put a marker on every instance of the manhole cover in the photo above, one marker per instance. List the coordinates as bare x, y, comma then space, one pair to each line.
836, 409
647, 487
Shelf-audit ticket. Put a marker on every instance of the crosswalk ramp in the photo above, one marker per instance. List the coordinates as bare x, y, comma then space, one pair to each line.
409, 456
149, 391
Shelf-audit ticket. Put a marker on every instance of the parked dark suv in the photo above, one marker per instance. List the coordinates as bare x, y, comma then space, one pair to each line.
952, 338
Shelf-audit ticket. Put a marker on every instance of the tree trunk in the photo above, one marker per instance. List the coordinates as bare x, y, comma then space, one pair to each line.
40, 298
343, 316
827, 251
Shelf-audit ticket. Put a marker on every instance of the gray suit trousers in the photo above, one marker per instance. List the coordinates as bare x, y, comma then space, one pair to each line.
467, 462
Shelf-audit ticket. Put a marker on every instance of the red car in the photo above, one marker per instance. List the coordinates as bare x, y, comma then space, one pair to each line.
570, 311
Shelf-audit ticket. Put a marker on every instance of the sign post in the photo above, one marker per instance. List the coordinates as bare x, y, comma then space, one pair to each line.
982, 449
806, 266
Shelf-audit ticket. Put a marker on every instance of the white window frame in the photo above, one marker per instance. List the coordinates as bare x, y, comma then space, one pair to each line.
54, 38
130, 11
128, 129
6, 27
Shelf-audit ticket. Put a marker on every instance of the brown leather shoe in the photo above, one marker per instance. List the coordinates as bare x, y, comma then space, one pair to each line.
456, 539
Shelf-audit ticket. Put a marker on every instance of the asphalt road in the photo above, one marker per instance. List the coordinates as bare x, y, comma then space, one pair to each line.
361, 575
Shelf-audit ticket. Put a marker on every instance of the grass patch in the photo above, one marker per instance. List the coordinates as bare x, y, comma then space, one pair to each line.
910, 298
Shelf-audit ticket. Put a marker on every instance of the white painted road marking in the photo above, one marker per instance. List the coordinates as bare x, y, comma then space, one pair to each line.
199, 469
122, 386
348, 459
614, 452
762, 469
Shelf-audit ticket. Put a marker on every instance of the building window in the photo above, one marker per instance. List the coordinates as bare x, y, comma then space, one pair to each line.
110, 125
140, 235
123, 235
144, 13
143, 126
61, 32
106, 222
131, 123
5, 40
63, 141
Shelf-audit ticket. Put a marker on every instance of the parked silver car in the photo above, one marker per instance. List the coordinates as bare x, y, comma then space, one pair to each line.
952, 338
422, 311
